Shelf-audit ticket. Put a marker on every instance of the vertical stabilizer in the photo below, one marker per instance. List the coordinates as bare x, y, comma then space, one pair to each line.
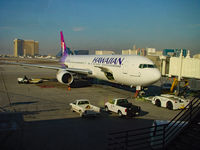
63, 45
63, 49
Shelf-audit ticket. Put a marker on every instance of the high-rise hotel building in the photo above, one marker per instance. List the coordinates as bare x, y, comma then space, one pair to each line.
26, 47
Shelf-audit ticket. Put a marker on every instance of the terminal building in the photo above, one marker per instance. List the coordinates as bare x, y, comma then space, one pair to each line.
25, 47
81, 52
104, 52
141, 52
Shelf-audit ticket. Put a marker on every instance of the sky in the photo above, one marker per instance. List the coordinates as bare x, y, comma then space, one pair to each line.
101, 24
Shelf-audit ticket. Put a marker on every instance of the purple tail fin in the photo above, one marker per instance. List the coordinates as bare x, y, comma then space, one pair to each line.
63, 50
63, 45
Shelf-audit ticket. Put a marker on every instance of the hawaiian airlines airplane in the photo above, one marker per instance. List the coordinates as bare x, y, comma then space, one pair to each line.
132, 70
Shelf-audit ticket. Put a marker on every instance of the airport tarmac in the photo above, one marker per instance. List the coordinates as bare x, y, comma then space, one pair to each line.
49, 122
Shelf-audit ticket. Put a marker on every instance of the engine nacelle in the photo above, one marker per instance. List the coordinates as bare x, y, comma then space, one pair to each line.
64, 77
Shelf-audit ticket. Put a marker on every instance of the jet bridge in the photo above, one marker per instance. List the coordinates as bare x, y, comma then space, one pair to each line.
182, 67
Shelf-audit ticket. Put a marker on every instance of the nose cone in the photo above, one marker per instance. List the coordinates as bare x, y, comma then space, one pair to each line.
156, 75
150, 76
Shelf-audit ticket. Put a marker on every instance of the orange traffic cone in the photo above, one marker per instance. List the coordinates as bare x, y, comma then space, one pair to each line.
69, 88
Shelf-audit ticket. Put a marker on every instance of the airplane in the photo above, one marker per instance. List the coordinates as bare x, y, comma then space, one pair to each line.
131, 70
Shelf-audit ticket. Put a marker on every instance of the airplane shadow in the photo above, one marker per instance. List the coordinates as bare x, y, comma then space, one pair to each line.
23, 103
87, 82
77, 83
151, 91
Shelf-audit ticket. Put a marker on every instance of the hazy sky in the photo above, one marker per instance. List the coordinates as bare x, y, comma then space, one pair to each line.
101, 24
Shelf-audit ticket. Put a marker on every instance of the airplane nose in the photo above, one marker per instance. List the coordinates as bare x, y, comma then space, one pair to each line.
157, 75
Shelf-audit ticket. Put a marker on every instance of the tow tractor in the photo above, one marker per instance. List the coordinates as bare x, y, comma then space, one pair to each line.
171, 102
26, 80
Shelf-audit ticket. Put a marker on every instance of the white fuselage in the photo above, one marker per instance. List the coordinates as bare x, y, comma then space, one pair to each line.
131, 70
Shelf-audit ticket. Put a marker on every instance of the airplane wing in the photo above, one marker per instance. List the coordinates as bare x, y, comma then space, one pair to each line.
73, 70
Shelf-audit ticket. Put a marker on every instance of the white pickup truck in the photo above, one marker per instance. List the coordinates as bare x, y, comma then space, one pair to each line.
84, 108
122, 107
171, 102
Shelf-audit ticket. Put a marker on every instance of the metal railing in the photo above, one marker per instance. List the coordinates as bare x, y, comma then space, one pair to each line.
156, 136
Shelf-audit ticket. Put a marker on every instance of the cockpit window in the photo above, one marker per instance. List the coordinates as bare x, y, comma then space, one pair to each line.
147, 66
151, 66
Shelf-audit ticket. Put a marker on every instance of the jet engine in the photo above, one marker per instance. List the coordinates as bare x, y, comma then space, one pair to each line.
64, 77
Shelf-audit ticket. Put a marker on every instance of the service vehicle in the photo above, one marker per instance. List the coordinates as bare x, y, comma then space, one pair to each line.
169, 101
22, 80
84, 108
26, 80
122, 107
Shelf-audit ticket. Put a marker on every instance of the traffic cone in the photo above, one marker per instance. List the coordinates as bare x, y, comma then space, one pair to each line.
69, 88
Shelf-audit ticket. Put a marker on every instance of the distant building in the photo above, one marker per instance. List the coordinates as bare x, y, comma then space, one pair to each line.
26, 47
141, 52
81, 52
104, 52
174, 52
151, 51
129, 52
159, 53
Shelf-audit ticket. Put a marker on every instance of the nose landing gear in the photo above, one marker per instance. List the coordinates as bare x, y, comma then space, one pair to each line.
139, 93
